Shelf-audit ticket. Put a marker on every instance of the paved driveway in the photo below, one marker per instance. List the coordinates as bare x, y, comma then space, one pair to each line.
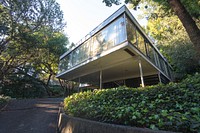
30, 116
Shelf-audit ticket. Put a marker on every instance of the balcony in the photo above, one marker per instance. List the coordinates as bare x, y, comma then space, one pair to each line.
116, 52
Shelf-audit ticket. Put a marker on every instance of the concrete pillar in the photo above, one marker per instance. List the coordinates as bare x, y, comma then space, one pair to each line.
141, 73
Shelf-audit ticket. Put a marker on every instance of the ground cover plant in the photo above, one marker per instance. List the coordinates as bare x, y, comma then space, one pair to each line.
171, 107
3, 100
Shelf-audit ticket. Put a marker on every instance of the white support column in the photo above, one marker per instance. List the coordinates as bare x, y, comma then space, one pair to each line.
100, 79
159, 77
79, 80
141, 73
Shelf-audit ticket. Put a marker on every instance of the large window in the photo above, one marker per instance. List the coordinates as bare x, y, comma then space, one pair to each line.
140, 43
120, 30
110, 36
131, 32
135, 37
150, 51
64, 64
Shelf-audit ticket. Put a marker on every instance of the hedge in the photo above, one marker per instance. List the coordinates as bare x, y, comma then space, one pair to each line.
171, 107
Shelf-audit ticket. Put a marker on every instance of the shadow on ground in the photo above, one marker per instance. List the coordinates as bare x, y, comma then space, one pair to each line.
30, 116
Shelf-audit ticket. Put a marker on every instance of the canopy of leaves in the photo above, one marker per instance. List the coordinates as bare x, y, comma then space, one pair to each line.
31, 41
166, 30
193, 6
21, 17
173, 42
172, 107
183, 58
19, 85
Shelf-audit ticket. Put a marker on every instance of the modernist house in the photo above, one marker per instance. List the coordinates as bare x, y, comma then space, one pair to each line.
117, 52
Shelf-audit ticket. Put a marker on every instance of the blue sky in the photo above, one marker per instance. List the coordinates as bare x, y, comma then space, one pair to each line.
82, 16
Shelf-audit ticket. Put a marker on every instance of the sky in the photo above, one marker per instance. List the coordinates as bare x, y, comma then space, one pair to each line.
82, 16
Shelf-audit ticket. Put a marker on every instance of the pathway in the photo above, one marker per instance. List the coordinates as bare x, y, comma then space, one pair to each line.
30, 116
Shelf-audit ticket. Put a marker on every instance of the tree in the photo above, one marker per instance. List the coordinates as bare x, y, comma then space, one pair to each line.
19, 23
184, 14
183, 58
46, 63
187, 21
172, 40
18, 17
31, 41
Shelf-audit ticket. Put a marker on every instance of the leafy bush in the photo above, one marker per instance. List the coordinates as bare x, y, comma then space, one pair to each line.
183, 58
172, 107
3, 100
56, 90
22, 86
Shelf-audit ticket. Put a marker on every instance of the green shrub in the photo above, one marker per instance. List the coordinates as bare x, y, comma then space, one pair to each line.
56, 90
172, 107
22, 86
3, 100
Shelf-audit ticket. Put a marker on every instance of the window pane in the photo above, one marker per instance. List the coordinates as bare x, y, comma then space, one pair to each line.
131, 32
121, 34
140, 43
63, 65
162, 64
157, 59
111, 35
150, 52
96, 46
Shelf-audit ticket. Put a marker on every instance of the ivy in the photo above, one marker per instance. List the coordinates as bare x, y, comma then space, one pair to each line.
171, 107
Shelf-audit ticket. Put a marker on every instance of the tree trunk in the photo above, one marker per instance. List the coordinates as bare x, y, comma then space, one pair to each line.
48, 81
187, 21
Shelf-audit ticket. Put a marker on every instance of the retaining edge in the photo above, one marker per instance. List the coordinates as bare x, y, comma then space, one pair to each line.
69, 124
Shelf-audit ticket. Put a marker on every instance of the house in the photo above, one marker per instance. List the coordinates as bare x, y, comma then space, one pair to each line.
117, 52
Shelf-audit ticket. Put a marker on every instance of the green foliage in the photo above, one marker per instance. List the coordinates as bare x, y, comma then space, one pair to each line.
21, 17
185, 10
167, 30
23, 86
173, 42
56, 91
193, 6
3, 100
31, 42
183, 58
110, 2
46, 61
172, 107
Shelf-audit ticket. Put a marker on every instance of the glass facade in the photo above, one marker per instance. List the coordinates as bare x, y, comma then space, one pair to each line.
120, 30
139, 41
110, 36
